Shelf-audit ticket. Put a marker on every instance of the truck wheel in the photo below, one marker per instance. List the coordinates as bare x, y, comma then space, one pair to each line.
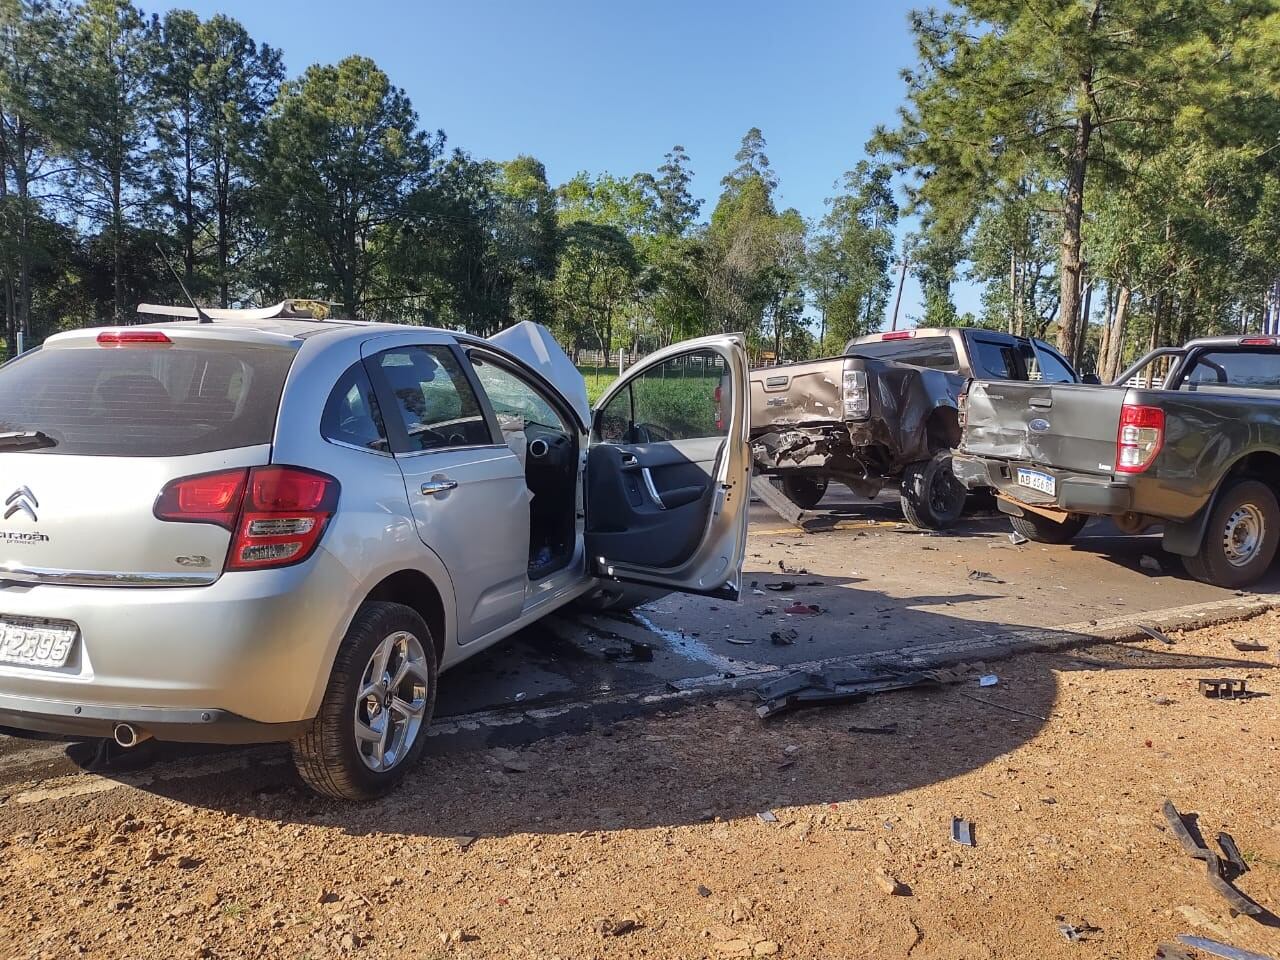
805, 492
371, 727
1241, 537
932, 498
1044, 530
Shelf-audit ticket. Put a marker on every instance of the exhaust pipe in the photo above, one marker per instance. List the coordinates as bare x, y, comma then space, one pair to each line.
127, 735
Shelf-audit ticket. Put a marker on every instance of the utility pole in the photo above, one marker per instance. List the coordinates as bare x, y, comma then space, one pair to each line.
902, 279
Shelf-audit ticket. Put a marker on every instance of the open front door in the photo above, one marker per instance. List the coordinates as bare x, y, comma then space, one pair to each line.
669, 469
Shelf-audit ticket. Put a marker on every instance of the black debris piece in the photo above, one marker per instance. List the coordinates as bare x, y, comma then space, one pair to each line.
1248, 646
636, 652
1155, 634
798, 571
783, 638
887, 728
1212, 864
1231, 854
1223, 688
962, 832
840, 684
782, 586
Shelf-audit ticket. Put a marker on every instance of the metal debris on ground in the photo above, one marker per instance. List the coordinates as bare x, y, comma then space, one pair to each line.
982, 576
767, 816
1221, 949
1150, 564
1155, 634
1017, 539
1212, 864
1078, 933
782, 586
741, 643
962, 832
887, 728
841, 684
783, 638
1222, 688
1248, 646
989, 680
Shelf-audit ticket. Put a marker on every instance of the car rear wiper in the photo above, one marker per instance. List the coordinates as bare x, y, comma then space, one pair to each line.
28, 439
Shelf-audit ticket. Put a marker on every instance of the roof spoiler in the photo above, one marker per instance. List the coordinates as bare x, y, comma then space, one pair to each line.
284, 310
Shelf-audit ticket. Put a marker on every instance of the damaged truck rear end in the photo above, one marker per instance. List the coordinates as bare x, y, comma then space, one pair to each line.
885, 412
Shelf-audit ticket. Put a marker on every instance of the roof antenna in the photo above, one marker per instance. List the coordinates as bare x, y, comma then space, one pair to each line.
201, 316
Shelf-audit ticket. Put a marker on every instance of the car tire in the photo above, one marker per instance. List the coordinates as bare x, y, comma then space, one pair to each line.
804, 491
338, 754
932, 498
1042, 529
1240, 538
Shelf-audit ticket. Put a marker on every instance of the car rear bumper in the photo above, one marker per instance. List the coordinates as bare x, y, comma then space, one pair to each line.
226, 663
82, 721
1075, 492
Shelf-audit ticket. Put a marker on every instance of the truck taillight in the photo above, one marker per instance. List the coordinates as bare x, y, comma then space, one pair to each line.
1140, 437
276, 515
857, 402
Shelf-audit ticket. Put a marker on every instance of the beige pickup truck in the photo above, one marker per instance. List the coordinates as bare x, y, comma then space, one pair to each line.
885, 412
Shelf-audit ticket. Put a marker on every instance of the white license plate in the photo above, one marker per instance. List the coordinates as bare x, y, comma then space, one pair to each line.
1037, 481
34, 644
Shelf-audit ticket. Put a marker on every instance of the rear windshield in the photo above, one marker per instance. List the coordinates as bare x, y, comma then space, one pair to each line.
936, 352
145, 401
1244, 371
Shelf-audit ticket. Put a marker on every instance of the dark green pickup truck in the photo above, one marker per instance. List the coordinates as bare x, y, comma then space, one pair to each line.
1198, 453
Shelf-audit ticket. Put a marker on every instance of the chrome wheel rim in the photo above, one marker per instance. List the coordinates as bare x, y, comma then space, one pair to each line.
1243, 536
392, 702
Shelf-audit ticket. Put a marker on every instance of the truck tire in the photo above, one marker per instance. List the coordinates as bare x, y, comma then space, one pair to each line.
1241, 537
1044, 530
932, 498
804, 491
337, 755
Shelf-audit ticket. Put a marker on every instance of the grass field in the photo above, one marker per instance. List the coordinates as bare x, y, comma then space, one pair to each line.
598, 380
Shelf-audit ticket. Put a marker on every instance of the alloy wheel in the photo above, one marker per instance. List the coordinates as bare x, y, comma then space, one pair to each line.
392, 701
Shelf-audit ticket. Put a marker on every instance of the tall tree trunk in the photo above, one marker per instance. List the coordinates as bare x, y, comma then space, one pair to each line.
1104, 339
1082, 337
1115, 340
1013, 291
224, 243
1070, 266
117, 253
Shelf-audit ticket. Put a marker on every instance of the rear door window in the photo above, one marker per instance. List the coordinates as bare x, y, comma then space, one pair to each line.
147, 400
993, 359
1042, 363
937, 353
434, 404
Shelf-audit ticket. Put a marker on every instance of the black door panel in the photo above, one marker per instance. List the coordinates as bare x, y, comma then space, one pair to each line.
649, 503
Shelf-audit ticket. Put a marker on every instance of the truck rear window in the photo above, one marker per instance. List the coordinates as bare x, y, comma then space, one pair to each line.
936, 352
1244, 371
145, 400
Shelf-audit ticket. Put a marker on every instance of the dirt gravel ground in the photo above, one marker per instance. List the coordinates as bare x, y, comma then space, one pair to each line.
644, 839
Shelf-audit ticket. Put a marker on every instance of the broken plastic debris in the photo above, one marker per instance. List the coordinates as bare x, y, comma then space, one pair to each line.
989, 680
1150, 564
757, 593
803, 609
1221, 949
962, 832
984, 577
767, 816
1017, 539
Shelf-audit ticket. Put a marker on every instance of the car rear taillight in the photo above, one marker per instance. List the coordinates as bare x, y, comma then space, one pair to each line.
857, 402
1140, 438
1259, 341
276, 515
129, 338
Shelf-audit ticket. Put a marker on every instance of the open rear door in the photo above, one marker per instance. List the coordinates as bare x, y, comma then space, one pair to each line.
669, 468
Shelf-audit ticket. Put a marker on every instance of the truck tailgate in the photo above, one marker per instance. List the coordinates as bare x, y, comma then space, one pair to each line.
1070, 426
797, 394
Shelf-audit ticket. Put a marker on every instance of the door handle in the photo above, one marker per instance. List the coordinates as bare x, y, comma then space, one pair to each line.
438, 485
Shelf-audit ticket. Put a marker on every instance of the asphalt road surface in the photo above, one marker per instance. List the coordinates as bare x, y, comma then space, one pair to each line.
879, 585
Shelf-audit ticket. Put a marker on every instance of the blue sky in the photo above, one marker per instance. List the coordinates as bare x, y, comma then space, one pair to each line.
609, 86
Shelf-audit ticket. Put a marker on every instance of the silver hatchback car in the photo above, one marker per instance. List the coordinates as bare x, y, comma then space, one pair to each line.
253, 528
